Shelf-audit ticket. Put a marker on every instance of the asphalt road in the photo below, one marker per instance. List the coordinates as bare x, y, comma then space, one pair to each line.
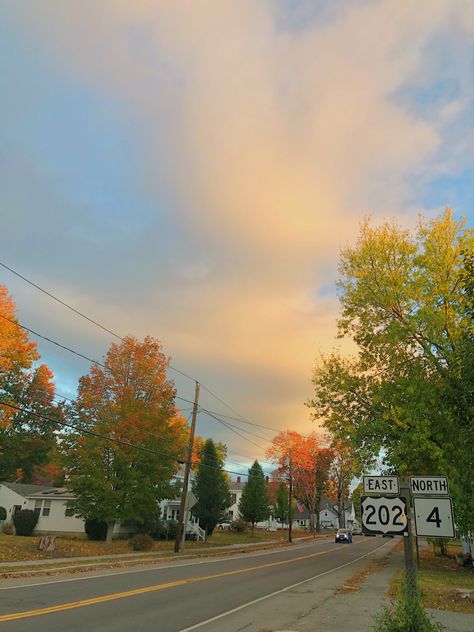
173, 598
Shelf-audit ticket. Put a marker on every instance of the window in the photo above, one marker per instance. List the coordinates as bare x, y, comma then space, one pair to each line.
46, 507
233, 499
230, 515
38, 507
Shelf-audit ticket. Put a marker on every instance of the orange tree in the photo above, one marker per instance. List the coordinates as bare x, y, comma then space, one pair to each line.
26, 439
311, 463
131, 402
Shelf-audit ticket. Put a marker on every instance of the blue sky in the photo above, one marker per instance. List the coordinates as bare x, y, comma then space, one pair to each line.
191, 170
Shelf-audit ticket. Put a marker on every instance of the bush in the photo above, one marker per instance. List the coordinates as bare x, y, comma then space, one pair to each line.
95, 529
25, 521
405, 615
141, 542
3, 513
239, 525
8, 528
171, 529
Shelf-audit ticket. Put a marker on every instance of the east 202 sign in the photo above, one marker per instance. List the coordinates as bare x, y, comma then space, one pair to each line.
383, 515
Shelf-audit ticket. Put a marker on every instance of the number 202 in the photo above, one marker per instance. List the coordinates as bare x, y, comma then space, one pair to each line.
384, 515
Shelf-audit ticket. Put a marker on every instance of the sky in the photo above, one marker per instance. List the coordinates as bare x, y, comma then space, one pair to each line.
192, 169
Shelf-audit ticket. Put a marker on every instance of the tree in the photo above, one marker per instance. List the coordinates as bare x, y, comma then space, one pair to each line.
311, 465
403, 303
254, 503
280, 508
26, 439
343, 469
355, 497
210, 488
131, 402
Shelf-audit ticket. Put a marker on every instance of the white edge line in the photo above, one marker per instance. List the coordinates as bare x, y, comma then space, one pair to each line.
277, 592
159, 568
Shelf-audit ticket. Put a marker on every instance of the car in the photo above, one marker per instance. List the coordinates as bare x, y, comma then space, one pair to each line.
343, 535
357, 532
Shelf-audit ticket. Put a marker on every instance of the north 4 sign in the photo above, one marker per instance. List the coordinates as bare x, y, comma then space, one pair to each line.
383, 515
434, 517
381, 485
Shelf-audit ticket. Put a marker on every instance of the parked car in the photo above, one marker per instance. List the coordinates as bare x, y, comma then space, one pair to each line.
357, 532
343, 535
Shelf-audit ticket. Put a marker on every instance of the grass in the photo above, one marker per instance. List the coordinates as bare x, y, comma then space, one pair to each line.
23, 548
439, 578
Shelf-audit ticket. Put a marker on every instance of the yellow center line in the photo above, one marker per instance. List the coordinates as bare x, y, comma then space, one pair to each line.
13, 616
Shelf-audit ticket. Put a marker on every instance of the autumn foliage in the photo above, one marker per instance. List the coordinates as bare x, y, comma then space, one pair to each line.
129, 400
25, 438
311, 463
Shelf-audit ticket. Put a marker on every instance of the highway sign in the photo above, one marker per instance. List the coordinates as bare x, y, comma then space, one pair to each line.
434, 517
381, 514
429, 485
381, 485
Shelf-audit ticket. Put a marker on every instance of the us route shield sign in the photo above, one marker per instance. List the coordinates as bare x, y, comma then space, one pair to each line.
381, 514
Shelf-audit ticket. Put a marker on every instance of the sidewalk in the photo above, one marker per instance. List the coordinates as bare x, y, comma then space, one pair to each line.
52, 564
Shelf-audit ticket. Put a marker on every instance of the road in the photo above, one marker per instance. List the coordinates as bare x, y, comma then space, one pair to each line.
174, 598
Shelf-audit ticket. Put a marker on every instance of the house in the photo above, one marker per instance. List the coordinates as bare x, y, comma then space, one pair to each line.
50, 503
301, 518
54, 516
169, 509
328, 515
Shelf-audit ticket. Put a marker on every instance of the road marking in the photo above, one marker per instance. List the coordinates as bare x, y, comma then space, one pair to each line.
277, 592
179, 564
14, 616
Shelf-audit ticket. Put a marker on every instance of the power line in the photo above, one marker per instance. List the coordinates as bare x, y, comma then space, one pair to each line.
111, 439
119, 337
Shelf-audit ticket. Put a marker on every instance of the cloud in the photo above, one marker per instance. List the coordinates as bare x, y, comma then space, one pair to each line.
261, 144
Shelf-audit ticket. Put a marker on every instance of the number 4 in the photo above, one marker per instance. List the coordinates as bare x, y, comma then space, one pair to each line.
434, 517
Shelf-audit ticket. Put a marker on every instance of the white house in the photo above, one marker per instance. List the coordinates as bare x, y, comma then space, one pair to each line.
47, 501
54, 517
301, 519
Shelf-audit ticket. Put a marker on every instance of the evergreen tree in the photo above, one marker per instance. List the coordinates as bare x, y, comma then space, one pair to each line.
211, 489
281, 504
254, 503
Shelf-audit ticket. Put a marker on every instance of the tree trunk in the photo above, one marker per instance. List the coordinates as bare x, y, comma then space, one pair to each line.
318, 519
253, 525
110, 530
342, 515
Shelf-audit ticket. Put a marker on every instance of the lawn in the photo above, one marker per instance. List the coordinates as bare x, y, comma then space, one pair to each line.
439, 577
22, 548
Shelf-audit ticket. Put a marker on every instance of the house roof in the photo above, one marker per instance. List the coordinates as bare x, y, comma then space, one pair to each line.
38, 491
52, 492
24, 489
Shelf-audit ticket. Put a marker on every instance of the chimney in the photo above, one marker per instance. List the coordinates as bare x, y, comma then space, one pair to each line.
238, 480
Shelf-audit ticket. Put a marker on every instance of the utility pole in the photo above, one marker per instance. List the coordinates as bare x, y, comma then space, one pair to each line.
180, 534
290, 498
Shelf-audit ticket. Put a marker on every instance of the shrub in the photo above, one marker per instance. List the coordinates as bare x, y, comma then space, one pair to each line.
8, 528
95, 529
3, 513
405, 615
239, 525
171, 529
25, 521
141, 542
